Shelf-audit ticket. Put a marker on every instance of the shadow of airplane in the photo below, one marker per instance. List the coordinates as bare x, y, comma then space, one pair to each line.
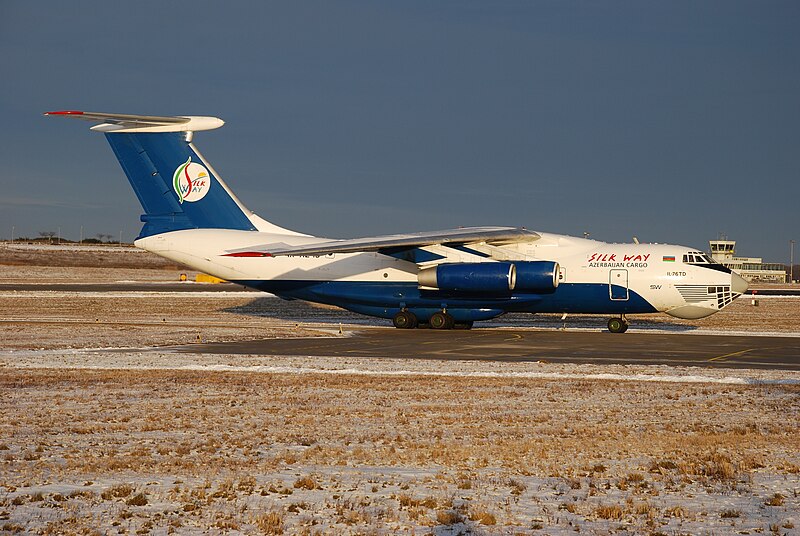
301, 311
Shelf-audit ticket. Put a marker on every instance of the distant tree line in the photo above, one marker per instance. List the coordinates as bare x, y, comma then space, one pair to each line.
48, 236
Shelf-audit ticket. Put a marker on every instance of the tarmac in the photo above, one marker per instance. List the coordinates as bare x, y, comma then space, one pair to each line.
510, 345
488, 343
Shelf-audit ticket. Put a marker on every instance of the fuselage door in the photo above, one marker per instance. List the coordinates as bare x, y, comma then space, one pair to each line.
618, 285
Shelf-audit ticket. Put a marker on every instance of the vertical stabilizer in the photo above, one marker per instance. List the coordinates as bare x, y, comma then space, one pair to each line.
176, 187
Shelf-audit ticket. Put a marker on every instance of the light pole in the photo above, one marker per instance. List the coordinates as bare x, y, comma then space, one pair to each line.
791, 262
12, 233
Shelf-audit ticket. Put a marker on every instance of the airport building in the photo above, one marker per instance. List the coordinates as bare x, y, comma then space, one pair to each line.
751, 268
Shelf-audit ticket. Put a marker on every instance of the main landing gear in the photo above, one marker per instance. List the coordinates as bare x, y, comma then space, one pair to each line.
442, 320
618, 325
439, 320
405, 320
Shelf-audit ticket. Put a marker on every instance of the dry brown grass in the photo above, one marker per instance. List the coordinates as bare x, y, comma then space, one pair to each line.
570, 507
305, 482
775, 500
226, 440
482, 515
613, 511
120, 491
676, 511
194, 409
137, 500
92, 257
270, 523
448, 517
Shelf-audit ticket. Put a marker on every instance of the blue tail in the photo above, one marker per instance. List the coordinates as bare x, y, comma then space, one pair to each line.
176, 187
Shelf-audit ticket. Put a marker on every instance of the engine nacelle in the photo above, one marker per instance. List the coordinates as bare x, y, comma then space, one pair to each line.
491, 276
469, 277
536, 275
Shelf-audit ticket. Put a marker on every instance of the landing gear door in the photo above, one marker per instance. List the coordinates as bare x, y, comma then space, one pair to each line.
618, 285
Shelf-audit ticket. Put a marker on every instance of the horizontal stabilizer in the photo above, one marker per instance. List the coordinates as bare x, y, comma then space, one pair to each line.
142, 123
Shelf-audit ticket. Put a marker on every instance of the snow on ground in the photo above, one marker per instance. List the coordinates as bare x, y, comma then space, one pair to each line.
149, 443
142, 359
101, 432
153, 441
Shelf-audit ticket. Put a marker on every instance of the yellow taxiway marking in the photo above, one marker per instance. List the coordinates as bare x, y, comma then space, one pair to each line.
720, 357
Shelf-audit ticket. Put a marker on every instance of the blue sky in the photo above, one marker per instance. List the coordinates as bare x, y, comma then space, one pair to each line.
670, 121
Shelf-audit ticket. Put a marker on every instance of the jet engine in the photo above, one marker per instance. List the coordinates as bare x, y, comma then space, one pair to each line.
491, 276
536, 275
469, 277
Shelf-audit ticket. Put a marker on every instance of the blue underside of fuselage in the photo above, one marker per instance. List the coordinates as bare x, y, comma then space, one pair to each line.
386, 299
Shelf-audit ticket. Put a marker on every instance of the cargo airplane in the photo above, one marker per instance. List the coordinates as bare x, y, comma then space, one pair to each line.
442, 279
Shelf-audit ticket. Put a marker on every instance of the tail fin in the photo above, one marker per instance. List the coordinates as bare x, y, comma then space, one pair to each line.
176, 187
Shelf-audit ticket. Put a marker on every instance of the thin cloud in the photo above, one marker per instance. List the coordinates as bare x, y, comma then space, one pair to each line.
31, 202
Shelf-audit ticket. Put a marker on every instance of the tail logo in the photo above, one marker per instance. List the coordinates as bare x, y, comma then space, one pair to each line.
191, 181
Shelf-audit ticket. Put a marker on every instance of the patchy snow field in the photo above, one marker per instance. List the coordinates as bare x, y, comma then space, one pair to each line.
206, 447
99, 437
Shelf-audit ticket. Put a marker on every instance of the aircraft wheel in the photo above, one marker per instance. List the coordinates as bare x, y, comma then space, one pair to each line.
405, 320
442, 321
617, 325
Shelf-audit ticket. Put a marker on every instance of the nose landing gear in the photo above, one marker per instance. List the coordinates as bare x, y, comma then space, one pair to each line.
618, 325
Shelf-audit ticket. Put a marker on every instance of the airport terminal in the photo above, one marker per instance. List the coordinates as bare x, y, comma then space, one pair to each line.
753, 269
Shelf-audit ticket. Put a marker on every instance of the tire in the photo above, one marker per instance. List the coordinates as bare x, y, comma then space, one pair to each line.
404, 320
617, 325
441, 321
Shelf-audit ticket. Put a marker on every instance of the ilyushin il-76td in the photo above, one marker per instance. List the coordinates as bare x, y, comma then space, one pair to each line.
442, 279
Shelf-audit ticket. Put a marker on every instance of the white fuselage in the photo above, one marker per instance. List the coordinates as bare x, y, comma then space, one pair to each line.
654, 273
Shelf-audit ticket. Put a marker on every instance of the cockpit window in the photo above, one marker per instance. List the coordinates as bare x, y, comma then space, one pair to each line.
695, 257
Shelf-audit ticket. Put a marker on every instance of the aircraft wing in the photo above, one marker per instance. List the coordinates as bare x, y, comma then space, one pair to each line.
465, 235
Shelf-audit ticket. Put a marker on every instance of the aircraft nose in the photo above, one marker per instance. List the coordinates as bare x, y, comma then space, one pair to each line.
738, 283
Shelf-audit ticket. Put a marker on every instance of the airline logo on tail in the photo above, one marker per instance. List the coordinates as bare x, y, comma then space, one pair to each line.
191, 181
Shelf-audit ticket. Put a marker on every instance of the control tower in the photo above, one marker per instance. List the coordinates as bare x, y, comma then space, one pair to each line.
722, 250
754, 269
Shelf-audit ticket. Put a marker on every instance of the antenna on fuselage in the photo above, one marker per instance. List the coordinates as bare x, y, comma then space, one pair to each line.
635, 240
